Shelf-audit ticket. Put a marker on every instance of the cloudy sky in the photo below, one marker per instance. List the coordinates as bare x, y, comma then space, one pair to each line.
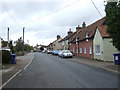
45, 19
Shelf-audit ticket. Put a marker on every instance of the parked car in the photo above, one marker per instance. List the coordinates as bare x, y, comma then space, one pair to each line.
49, 51
66, 53
55, 52
60, 53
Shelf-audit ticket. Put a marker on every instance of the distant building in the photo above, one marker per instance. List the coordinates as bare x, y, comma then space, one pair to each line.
65, 41
55, 45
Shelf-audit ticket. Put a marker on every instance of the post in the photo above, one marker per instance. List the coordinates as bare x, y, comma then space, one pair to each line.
8, 38
23, 40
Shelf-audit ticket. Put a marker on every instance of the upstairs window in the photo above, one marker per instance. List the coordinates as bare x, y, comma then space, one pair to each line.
76, 39
86, 35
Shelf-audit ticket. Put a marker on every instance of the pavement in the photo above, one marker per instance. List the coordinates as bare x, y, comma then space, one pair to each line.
109, 66
9, 71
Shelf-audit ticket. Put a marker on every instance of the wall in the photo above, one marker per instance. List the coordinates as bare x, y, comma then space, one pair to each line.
98, 41
85, 44
109, 49
57, 45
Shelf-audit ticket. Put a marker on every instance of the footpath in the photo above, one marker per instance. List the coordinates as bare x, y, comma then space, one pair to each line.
109, 66
9, 71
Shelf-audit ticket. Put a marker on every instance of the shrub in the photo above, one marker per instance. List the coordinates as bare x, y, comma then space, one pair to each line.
6, 56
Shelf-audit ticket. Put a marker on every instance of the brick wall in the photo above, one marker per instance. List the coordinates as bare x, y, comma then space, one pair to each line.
88, 45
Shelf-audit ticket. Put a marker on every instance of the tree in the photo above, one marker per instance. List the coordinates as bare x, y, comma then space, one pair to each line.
19, 45
4, 43
28, 47
11, 46
112, 10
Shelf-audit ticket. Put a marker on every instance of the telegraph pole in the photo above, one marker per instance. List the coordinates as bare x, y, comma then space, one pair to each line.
23, 40
8, 38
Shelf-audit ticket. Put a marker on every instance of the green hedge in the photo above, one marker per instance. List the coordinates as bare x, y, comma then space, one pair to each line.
6, 56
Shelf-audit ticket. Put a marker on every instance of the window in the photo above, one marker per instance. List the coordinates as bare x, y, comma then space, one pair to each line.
90, 50
73, 50
97, 49
66, 41
86, 36
84, 50
76, 50
76, 40
80, 50
62, 42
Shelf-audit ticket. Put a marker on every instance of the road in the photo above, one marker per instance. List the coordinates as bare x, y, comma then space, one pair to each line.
48, 71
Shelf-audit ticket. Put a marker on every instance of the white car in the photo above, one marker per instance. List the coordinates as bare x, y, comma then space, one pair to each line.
66, 53
60, 52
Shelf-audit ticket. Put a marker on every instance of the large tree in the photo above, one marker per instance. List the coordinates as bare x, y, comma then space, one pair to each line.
112, 10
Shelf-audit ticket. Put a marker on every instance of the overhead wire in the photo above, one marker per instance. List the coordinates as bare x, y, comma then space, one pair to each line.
96, 8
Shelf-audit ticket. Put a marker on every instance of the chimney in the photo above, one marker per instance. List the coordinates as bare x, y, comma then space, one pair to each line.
83, 25
58, 37
69, 32
77, 28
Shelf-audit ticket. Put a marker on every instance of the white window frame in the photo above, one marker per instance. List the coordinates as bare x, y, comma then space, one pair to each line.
76, 50
80, 50
85, 50
90, 50
97, 49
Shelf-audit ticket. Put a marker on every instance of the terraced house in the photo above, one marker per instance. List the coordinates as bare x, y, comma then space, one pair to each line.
65, 41
82, 43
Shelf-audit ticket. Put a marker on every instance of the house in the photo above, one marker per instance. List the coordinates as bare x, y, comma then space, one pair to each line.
72, 41
102, 45
83, 41
50, 46
66, 39
55, 45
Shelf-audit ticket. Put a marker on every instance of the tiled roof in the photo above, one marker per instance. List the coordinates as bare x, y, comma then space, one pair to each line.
90, 30
73, 38
103, 31
67, 37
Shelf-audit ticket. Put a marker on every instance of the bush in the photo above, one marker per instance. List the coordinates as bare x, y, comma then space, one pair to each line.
6, 56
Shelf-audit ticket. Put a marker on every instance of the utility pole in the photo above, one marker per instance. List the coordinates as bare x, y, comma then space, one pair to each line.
23, 40
8, 38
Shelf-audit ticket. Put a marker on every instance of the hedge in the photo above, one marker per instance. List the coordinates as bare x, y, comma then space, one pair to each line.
6, 57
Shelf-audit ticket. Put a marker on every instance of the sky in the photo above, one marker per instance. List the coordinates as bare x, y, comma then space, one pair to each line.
45, 19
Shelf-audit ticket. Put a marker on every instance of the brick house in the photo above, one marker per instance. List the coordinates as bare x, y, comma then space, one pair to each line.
72, 42
83, 41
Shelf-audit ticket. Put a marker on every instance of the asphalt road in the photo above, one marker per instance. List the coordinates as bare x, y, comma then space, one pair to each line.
48, 71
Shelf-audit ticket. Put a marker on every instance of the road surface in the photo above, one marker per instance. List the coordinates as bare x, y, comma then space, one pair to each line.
48, 71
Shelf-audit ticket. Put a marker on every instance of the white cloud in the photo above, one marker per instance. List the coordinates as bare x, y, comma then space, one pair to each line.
43, 20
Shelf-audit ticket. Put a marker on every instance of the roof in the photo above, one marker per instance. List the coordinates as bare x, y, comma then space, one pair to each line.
103, 31
90, 30
66, 37
73, 38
